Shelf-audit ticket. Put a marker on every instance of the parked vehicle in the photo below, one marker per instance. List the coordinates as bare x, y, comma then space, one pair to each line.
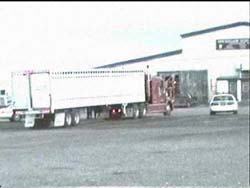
65, 97
223, 103
6, 107
7, 113
5, 99
185, 100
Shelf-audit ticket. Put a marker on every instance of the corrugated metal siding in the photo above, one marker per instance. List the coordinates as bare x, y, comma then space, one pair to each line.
193, 82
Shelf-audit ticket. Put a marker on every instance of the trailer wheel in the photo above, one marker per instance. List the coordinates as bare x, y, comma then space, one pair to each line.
135, 111
212, 112
75, 118
68, 119
142, 110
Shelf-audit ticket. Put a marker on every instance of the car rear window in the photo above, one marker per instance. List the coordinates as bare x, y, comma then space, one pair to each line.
223, 98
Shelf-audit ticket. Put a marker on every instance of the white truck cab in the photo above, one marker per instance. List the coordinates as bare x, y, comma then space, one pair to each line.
5, 99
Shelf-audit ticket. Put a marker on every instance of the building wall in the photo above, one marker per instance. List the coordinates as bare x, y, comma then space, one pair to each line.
245, 84
199, 53
245, 89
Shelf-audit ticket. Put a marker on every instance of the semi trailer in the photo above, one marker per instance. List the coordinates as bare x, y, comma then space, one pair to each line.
64, 98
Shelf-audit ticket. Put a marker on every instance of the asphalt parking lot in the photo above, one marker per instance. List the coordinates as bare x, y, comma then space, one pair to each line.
189, 148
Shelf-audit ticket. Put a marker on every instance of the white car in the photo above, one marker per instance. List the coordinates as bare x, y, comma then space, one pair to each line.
223, 103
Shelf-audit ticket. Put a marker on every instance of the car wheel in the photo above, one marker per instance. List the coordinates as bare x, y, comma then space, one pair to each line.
212, 113
235, 112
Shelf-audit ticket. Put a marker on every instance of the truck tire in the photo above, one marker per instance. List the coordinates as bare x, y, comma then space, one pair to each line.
68, 119
135, 111
75, 118
142, 110
15, 117
168, 110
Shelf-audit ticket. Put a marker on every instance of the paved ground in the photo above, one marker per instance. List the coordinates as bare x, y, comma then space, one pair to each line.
190, 148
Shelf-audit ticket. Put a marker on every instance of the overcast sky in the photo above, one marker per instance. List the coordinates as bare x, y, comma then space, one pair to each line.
89, 34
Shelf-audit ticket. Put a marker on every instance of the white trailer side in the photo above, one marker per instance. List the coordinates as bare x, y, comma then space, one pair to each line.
94, 88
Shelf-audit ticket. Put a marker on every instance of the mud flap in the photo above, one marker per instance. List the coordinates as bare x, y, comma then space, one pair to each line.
29, 121
59, 119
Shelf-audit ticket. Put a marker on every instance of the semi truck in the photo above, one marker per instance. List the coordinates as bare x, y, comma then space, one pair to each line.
62, 98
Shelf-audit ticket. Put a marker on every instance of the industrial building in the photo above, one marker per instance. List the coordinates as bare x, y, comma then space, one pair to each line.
212, 60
